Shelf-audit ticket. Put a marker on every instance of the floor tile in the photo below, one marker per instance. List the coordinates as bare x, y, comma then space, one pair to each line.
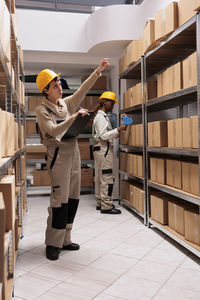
168, 256
191, 262
28, 261
65, 291
186, 278
150, 270
31, 286
174, 293
145, 237
134, 251
84, 256
114, 263
133, 288
104, 296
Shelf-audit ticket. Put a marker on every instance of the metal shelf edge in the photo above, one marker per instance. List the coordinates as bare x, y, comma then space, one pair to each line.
132, 208
175, 193
174, 237
173, 151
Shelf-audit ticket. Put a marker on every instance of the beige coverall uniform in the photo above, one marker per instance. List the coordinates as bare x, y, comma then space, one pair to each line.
63, 163
103, 135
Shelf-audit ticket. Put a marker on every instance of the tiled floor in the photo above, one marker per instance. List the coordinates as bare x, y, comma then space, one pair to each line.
119, 259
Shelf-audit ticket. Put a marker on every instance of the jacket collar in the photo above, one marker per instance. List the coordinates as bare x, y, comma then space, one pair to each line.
59, 110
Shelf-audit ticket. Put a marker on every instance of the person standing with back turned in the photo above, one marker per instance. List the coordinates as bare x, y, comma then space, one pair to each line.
55, 115
103, 135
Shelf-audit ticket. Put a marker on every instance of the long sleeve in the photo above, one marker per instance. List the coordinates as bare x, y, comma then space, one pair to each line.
74, 100
101, 128
47, 125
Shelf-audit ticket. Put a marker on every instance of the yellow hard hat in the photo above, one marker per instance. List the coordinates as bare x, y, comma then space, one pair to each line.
44, 78
109, 96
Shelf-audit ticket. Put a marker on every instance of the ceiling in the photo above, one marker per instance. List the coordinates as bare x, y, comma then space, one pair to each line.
80, 6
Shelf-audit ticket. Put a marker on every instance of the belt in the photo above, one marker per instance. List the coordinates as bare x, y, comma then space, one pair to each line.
97, 148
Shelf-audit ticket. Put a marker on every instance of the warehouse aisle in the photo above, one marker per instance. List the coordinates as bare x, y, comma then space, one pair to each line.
119, 259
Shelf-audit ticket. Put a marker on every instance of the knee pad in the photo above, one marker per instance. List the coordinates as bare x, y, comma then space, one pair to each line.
72, 208
60, 216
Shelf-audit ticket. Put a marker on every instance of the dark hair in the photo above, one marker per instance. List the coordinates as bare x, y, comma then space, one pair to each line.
48, 85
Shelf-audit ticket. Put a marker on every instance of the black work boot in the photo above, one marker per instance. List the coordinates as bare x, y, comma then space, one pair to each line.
52, 253
112, 211
71, 247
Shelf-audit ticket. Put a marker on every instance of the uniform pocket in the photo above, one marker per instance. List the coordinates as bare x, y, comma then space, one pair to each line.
55, 196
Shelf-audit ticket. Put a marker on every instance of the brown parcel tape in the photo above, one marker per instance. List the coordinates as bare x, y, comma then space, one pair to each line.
190, 71
157, 170
176, 216
7, 187
159, 208
166, 21
190, 178
192, 225
173, 173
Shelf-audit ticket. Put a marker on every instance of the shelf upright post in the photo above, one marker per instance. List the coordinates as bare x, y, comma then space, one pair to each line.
198, 85
144, 122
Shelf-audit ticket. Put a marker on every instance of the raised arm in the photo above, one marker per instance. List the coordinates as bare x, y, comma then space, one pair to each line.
74, 100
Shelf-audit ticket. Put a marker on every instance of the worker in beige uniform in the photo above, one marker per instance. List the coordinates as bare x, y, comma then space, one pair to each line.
54, 116
103, 135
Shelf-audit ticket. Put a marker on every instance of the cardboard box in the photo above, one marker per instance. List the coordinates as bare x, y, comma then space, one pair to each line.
175, 133
157, 134
7, 187
151, 89
129, 167
41, 178
190, 71
187, 133
170, 81
125, 190
190, 178
33, 102
138, 165
158, 170
134, 51
139, 194
125, 136
123, 161
23, 167
100, 84
22, 144
123, 64
137, 94
159, 208
186, 10
166, 21
90, 102
176, 216
87, 179
138, 135
30, 127
84, 147
16, 136
2, 231
9, 134
132, 195
195, 132
148, 35
2, 133
132, 135
192, 224
5, 37
36, 149
173, 173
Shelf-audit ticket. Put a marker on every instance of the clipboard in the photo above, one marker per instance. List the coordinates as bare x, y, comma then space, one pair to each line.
77, 126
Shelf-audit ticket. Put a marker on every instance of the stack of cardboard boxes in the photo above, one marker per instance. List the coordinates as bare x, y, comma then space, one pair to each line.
180, 216
158, 29
132, 164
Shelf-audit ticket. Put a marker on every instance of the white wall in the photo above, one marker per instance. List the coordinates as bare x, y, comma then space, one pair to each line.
74, 32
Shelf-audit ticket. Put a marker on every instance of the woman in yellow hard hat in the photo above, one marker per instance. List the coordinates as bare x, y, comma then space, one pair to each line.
103, 135
55, 115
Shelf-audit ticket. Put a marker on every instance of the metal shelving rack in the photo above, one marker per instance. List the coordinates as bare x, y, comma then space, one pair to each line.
178, 46
136, 71
12, 104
